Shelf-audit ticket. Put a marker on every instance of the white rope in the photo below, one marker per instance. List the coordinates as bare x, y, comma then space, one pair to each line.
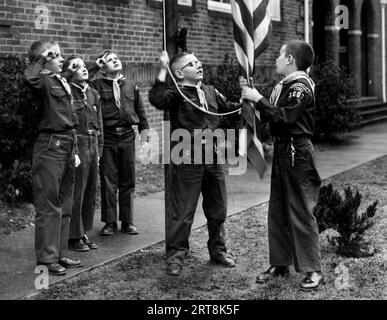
195, 105
164, 29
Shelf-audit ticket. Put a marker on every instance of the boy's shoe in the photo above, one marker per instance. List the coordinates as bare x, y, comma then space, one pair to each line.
224, 261
272, 272
87, 242
128, 228
174, 269
55, 269
108, 229
69, 263
312, 281
77, 245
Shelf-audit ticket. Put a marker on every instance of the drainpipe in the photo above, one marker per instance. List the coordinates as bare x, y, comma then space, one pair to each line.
306, 20
383, 5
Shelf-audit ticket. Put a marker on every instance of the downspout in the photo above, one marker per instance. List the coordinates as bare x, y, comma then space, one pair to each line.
306, 21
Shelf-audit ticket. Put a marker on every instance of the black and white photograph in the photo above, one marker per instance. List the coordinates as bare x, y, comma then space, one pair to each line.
193, 158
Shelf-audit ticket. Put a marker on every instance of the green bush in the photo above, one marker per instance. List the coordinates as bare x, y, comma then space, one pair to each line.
334, 212
334, 116
17, 131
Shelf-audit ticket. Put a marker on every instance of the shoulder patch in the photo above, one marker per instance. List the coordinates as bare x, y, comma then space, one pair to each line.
298, 86
298, 90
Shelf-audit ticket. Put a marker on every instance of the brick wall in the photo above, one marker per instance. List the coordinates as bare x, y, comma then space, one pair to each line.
133, 29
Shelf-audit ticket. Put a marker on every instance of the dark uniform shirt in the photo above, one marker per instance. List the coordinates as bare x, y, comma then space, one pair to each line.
58, 113
295, 111
131, 112
89, 112
182, 113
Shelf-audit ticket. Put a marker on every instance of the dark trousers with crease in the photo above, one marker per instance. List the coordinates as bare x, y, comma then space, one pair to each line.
293, 232
188, 180
85, 190
53, 185
117, 173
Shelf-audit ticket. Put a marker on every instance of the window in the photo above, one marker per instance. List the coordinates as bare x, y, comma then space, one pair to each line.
225, 6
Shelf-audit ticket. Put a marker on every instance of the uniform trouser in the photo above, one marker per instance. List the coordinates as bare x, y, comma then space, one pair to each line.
117, 173
188, 180
53, 185
85, 190
293, 232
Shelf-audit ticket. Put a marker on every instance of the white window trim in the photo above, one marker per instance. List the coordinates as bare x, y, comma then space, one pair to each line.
226, 8
219, 6
186, 3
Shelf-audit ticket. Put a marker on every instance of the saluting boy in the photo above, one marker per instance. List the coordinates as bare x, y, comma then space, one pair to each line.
90, 141
122, 107
53, 158
295, 182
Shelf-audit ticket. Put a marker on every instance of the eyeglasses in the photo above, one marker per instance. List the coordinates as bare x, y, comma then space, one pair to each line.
192, 64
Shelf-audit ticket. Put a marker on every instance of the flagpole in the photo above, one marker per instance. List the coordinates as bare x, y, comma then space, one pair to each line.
170, 28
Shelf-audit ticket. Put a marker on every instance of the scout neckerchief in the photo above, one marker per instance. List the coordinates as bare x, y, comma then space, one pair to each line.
289, 78
62, 80
116, 89
83, 89
200, 92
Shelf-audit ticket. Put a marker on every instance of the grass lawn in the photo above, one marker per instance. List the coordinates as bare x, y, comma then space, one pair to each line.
141, 275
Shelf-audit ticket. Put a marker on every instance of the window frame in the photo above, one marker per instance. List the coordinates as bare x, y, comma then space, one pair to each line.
225, 8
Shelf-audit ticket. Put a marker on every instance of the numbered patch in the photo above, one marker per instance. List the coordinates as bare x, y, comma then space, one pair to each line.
298, 90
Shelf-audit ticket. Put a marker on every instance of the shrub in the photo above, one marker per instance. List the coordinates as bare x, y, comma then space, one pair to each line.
334, 212
17, 131
225, 78
333, 115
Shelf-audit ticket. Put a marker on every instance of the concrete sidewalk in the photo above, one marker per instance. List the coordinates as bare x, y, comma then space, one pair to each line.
17, 259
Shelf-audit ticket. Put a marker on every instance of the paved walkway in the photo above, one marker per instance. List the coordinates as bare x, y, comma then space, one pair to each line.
17, 260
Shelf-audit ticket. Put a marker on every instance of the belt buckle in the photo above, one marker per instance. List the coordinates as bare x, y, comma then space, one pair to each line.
90, 132
119, 129
204, 140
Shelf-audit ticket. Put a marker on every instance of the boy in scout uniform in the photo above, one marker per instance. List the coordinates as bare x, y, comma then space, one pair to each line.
122, 107
90, 140
295, 182
54, 157
191, 179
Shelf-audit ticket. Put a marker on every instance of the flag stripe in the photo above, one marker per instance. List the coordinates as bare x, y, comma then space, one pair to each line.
242, 49
251, 24
246, 17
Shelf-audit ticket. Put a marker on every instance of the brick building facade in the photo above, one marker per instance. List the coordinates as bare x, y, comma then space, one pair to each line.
133, 29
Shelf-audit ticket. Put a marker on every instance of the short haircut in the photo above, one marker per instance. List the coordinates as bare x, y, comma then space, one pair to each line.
302, 52
176, 58
38, 47
103, 53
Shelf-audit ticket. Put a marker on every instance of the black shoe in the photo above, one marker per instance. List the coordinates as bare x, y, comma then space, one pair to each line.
312, 281
108, 229
128, 228
78, 245
54, 269
272, 272
69, 263
174, 269
91, 245
224, 261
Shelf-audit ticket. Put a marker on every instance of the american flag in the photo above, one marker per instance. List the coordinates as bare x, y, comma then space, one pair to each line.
251, 20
